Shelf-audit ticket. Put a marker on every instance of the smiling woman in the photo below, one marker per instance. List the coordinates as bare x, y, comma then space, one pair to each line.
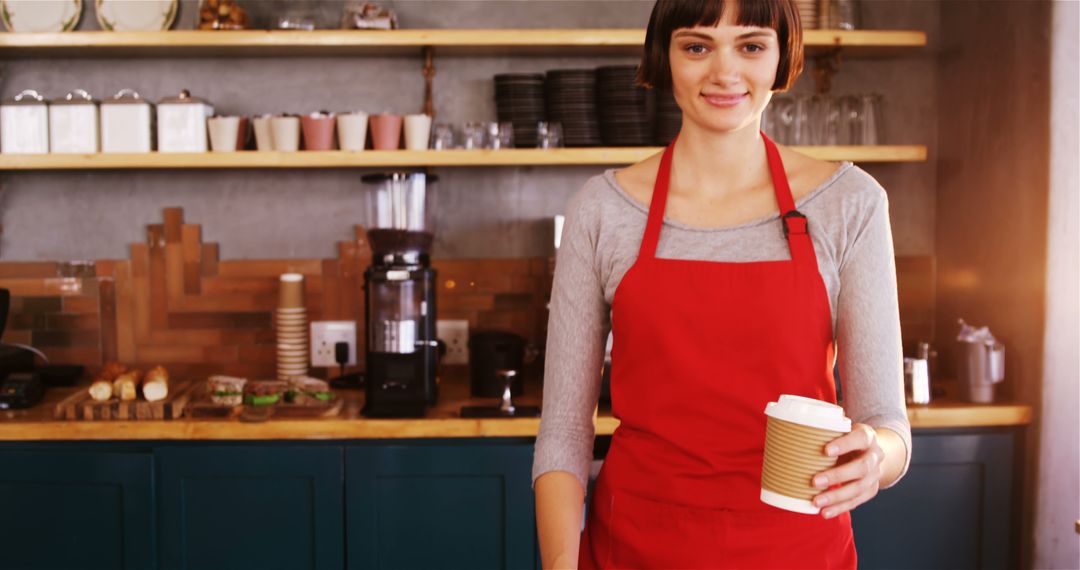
730, 271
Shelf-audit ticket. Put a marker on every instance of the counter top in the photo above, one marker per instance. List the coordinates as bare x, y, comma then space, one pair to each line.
38, 424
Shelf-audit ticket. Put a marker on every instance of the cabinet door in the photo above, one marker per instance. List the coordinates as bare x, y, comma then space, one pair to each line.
951, 510
445, 506
251, 507
76, 510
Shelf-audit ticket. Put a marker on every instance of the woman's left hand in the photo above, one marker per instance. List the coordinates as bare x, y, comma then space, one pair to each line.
858, 471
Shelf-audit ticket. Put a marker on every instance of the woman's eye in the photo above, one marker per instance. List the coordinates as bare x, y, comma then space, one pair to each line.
696, 49
754, 48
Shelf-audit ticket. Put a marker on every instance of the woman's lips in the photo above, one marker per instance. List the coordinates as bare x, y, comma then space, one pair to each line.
725, 101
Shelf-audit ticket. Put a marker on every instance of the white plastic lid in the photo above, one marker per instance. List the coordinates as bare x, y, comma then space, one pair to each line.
292, 277
809, 412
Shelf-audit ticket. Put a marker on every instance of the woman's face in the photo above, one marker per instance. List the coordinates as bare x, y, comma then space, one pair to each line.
722, 76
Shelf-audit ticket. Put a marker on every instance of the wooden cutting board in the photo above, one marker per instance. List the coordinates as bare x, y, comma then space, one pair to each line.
199, 405
80, 406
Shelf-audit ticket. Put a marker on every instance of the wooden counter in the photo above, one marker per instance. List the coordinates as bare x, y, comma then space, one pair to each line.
37, 424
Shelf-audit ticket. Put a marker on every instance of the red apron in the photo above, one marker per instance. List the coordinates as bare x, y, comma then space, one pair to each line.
699, 349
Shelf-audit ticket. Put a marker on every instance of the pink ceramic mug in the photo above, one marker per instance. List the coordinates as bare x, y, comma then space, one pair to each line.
385, 132
318, 131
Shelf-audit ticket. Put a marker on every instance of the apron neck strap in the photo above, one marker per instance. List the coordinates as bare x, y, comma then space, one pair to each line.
793, 222
657, 204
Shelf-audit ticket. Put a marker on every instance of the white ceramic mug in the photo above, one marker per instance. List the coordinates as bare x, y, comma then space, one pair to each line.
417, 131
224, 132
286, 130
264, 135
352, 130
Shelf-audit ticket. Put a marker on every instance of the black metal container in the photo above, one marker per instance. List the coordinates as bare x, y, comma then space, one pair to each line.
495, 350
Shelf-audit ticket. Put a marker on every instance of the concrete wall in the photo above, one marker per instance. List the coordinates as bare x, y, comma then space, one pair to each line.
272, 214
1057, 544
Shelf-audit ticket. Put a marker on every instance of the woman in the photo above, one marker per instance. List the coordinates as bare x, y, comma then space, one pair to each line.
722, 296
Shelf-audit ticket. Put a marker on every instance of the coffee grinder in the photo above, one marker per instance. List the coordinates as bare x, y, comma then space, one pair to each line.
399, 295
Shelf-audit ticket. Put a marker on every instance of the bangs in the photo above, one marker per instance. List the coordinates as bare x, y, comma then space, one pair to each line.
690, 13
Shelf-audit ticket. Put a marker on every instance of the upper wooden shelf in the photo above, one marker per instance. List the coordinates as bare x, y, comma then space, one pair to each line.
403, 158
344, 42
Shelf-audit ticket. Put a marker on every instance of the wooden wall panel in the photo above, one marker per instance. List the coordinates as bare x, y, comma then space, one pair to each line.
991, 226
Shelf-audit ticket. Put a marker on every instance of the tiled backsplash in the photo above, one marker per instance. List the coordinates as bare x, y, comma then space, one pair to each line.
175, 303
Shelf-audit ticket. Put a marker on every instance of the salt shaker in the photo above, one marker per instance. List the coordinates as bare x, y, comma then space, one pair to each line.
73, 123
24, 124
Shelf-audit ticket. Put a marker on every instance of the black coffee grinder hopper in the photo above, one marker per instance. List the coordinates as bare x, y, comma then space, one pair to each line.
506, 408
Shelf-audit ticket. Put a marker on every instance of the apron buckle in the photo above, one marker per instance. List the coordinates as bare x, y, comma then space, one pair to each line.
800, 225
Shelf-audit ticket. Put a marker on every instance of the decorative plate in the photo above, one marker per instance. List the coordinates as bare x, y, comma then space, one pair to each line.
40, 15
136, 15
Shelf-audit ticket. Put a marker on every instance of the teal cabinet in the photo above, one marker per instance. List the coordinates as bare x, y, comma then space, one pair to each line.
76, 510
440, 506
250, 506
953, 509
390, 504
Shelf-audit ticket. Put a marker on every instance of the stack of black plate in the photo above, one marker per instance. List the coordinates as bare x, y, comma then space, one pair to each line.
668, 118
622, 106
571, 101
519, 99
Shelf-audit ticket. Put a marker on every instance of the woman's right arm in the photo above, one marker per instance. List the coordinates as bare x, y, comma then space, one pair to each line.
577, 335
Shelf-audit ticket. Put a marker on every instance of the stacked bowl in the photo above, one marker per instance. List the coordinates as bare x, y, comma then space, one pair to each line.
519, 99
808, 13
623, 107
571, 101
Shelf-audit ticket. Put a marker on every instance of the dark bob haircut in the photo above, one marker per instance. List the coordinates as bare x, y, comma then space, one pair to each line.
670, 15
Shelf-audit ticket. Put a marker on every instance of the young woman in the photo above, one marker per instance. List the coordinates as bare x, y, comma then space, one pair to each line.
730, 271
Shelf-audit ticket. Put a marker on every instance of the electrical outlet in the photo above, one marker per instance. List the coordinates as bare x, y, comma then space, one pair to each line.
325, 334
455, 333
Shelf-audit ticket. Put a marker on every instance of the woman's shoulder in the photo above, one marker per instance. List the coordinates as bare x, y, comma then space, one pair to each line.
638, 179
829, 184
612, 190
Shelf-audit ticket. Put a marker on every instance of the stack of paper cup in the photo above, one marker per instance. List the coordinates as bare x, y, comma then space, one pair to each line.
796, 432
292, 328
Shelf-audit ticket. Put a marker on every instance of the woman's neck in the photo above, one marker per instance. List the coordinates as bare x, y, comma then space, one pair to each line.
713, 165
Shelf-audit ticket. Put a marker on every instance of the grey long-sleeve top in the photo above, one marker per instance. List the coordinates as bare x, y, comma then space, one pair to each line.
849, 226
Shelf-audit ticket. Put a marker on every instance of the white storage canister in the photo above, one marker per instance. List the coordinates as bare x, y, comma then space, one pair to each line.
126, 123
24, 124
73, 123
182, 123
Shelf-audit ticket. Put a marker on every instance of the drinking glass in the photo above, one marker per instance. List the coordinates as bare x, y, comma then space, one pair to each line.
473, 136
871, 132
801, 133
442, 137
548, 135
824, 120
783, 121
845, 14
850, 121
499, 135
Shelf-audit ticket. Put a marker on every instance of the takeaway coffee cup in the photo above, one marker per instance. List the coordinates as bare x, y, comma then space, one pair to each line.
796, 432
291, 291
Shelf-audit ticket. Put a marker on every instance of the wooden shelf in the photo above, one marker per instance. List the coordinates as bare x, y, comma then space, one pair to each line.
403, 158
344, 42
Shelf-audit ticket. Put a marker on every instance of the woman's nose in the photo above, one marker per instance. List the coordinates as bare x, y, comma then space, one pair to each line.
724, 68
